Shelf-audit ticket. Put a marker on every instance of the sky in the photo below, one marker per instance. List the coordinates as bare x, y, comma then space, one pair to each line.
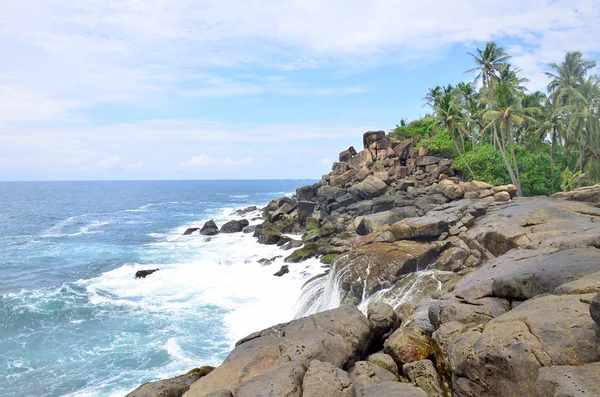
244, 89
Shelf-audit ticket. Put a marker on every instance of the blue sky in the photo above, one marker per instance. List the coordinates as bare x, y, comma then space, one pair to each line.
230, 89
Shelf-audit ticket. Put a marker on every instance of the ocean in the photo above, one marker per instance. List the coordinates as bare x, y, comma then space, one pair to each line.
73, 319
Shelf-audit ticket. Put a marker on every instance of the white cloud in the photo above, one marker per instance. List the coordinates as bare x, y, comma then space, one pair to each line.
207, 161
108, 162
60, 56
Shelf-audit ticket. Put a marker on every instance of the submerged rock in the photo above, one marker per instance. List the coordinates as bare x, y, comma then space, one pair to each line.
284, 270
190, 230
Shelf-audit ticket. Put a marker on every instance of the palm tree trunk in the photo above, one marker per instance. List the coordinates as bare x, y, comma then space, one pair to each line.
502, 149
553, 139
514, 158
461, 156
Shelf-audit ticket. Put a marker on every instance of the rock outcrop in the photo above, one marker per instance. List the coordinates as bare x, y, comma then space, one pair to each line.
472, 291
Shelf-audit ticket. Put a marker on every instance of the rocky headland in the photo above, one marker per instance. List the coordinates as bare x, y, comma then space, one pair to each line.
433, 286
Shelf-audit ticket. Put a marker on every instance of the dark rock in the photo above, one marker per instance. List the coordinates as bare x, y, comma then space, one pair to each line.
390, 389
344, 156
323, 379
384, 203
285, 381
345, 200
336, 336
352, 151
595, 309
291, 244
190, 230
284, 270
144, 273
306, 193
250, 229
370, 137
209, 229
267, 234
426, 160
234, 226
247, 210
305, 209
173, 387
264, 262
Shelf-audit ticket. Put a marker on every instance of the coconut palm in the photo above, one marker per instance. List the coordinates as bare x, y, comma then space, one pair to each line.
488, 62
568, 75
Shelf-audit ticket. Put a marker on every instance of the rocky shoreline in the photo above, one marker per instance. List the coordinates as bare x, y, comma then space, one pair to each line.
466, 289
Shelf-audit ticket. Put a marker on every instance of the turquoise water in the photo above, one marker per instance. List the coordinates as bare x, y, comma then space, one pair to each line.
75, 322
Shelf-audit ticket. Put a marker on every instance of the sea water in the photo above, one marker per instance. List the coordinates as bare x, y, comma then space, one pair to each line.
73, 319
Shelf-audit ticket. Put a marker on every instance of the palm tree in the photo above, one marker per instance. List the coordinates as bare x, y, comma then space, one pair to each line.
449, 117
506, 110
488, 63
567, 76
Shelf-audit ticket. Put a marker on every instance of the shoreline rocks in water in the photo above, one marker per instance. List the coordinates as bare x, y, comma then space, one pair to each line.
145, 273
489, 294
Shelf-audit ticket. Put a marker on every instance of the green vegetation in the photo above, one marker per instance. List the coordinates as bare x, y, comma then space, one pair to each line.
500, 133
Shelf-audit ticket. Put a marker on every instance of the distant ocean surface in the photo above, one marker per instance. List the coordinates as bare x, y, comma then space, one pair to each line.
75, 322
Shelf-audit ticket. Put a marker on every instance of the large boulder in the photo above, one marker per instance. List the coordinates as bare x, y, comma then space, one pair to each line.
339, 337
210, 228
424, 375
234, 226
385, 361
474, 312
324, 379
595, 309
370, 137
384, 320
588, 194
369, 188
365, 374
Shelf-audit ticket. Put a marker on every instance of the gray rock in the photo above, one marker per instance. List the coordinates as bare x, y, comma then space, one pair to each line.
284, 270
545, 273
173, 387
209, 229
364, 374
385, 361
568, 381
305, 193
305, 209
234, 226
478, 311
336, 336
345, 200
424, 375
390, 389
369, 188
190, 230
292, 244
384, 203
323, 379
284, 381
426, 160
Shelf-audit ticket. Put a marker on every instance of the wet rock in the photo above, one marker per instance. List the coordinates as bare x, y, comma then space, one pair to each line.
144, 273
285, 381
336, 336
265, 262
305, 209
250, 229
309, 250
246, 211
595, 309
209, 229
406, 345
267, 234
424, 375
284, 270
173, 387
291, 244
234, 226
390, 389
323, 379
190, 230
568, 381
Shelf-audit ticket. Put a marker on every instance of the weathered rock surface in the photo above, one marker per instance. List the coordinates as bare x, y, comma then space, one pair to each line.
385, 361
364, 374
588, 194
595, 309
284, 380
424, 375
384, 320
324, 379
338, 336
